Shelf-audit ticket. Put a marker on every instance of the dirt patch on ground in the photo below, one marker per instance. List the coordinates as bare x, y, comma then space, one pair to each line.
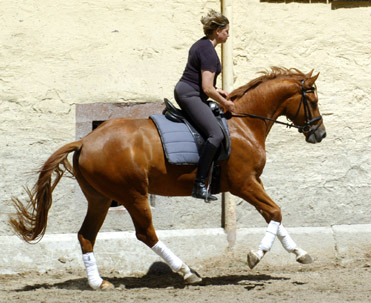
224, 280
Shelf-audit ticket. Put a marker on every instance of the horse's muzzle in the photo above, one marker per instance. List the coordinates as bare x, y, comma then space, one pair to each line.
315, 134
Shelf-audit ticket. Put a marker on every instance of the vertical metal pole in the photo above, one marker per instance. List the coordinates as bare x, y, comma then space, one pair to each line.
228, 201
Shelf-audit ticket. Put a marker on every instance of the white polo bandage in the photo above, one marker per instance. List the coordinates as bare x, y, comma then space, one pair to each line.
94, 279
270, 236
169, 257
287, 242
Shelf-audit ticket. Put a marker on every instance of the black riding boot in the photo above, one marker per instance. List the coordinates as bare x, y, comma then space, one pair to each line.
207, 154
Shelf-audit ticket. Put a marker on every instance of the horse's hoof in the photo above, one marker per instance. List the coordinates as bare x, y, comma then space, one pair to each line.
305, 259
193, 279
252, 259
106, 285
189, 275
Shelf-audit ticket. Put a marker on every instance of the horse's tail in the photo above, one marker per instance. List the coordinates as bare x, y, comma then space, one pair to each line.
31, 220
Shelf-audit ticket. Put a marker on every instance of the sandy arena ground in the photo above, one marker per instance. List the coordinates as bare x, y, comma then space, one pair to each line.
224, 280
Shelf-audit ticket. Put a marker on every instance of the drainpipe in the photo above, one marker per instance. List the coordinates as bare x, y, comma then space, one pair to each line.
228, 200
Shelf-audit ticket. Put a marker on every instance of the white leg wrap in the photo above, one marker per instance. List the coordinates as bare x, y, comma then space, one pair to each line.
287, 242
169, 257
270, 236
94, 279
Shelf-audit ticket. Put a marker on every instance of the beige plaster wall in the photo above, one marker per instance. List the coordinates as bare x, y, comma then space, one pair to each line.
55, 54
327, 183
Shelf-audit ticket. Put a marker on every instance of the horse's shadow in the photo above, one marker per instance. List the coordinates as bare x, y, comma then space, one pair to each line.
160, 276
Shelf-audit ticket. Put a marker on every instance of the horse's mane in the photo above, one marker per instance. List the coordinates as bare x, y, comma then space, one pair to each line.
275, 72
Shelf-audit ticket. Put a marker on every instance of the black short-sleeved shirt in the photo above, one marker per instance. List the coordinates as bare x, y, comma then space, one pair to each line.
201, 56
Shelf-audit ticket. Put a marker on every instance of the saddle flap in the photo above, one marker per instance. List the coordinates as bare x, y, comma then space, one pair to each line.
181, 140
177, 115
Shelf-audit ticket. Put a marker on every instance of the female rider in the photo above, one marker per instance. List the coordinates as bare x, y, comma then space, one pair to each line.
196, 85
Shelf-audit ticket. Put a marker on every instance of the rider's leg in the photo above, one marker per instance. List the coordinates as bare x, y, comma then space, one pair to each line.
204, 120
207, 154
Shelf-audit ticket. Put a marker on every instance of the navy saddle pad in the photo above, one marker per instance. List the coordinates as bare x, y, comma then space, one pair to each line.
181, 141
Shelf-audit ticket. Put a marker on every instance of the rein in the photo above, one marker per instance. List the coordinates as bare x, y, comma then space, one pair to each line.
301, 128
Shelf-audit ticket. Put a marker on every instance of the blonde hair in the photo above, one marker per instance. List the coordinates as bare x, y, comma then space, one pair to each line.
212, 21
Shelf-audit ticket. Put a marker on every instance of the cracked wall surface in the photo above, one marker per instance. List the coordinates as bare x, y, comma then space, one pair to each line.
55, 55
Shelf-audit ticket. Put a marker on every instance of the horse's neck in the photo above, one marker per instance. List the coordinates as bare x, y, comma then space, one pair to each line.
264, 101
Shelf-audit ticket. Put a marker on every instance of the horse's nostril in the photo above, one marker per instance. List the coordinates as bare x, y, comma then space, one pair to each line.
324, 135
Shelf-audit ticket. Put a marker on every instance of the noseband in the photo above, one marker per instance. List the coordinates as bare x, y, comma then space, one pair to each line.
309, 121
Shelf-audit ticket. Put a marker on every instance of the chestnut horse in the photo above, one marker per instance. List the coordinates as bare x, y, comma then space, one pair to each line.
123, 160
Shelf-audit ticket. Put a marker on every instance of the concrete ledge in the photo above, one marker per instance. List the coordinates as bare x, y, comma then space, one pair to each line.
123, 253
352, 241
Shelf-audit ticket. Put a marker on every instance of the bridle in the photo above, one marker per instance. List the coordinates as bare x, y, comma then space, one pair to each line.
309, 120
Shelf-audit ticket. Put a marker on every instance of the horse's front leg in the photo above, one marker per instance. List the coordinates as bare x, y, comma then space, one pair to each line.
288, 243
253, 192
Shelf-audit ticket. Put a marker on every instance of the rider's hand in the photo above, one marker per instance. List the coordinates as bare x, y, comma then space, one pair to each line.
223, 93
228, 106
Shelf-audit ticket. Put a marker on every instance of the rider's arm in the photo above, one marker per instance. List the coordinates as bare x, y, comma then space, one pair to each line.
211, 92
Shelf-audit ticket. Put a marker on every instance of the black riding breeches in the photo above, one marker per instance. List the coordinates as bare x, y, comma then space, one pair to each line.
199, 112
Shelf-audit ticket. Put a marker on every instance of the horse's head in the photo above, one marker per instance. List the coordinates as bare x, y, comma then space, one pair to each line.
303, 110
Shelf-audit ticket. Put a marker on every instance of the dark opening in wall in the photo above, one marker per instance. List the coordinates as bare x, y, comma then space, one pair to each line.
335, 4
95, 124
89, 116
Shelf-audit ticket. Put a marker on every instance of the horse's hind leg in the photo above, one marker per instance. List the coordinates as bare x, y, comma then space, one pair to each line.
141, 215
98, 206
97, 211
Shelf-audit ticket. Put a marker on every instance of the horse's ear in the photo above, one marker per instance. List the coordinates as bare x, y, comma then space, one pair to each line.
310, 81
309, 74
